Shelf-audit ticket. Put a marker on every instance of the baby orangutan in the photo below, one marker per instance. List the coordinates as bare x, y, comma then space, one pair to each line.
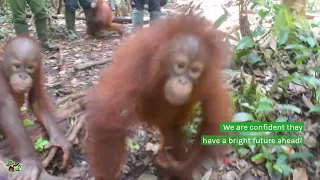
21, 73
157, 77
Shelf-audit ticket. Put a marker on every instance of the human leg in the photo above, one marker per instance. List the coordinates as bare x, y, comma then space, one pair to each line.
70, 14
137, 14
38, 7
154, 9
88, 12
19, 19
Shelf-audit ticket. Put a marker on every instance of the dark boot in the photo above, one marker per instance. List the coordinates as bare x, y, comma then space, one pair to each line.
21, 28
137, 19
70, 22
89, 21
42, 31
154, 15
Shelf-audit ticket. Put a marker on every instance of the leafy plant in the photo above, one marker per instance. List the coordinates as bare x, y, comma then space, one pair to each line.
40, 144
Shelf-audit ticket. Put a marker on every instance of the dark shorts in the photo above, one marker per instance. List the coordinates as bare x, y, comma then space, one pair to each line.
73, 5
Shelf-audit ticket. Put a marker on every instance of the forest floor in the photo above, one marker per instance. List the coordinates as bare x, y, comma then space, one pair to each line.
69, 78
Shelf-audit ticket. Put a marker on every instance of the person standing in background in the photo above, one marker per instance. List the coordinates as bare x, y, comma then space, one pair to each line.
38, 8
70, 14
137, 11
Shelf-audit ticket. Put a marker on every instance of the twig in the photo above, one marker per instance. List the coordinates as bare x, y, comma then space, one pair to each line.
60, 59
59, 7
307, 102
71, 96
65, 113
94, 63
71, 137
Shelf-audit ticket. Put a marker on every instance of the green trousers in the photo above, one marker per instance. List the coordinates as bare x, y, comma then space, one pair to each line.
38, 8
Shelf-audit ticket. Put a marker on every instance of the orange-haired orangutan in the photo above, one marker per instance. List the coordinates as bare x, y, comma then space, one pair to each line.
21, 73
101, 19
157, 77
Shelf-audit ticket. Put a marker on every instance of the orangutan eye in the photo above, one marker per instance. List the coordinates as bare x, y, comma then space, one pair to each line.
195, 72
30, 68
180, 67
16, 67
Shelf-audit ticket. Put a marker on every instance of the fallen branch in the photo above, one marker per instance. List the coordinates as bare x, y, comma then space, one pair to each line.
71, 96
93, 63
60, 60
71, 137
67, 112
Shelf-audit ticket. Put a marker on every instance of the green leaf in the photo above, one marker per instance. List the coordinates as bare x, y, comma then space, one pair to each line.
243, 152
315, 49
247, 105
245, 42
260, 30
316, 69
300, 155
280, 20
252, 147
23, 108
278, 168
27, 122
253, 59
264, 107
282, 159
266, 152
83, 151
242, 53
286, 170
296, 47
44, 142
242, 117
284, 35
300, 58
220, 20
311, 41
311, 80
315, 109
317, 94
39, 144
291, 108
257, 157
266, 100
269, 167
282, 119
132, 144
1, 19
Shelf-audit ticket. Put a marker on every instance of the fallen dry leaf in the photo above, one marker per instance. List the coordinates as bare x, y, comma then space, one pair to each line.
207, 175
152, 147
288, 149
231, 175
310, 141
147, 177
299, 174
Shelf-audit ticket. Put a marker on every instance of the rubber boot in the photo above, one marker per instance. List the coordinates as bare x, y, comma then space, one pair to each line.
21, 28
137, 19
89, 20
154, 15
42, 31
70, 22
